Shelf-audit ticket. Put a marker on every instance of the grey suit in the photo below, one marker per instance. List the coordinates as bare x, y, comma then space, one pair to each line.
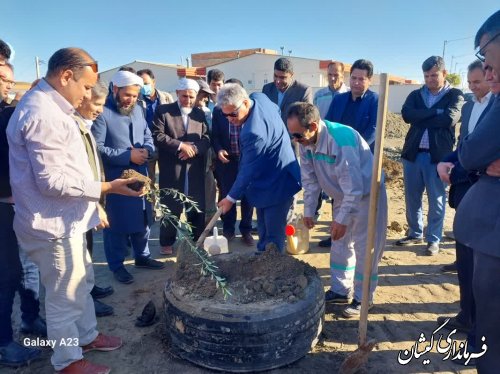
296, 92
477, 225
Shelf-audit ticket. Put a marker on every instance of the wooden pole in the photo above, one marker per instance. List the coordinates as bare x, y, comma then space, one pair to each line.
374, 196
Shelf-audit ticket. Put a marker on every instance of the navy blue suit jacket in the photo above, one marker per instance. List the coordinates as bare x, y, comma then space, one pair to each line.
115, 135
220, 131
269, 173
366, 118
477, 221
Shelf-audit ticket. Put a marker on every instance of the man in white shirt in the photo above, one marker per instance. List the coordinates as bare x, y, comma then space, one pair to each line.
55, 191
323, 97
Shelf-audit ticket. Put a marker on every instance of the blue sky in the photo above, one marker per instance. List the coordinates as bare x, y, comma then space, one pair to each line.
395, 35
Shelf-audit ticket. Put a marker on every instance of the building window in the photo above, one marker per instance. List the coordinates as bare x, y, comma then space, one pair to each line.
265, 81
250, 81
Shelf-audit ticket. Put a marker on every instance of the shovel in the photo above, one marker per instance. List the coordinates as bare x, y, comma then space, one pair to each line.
355, 360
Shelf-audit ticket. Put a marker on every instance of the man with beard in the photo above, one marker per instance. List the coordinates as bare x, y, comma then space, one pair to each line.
124, 142
181, 135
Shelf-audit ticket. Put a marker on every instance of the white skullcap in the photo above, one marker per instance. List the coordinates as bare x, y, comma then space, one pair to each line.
188, 84
126, 78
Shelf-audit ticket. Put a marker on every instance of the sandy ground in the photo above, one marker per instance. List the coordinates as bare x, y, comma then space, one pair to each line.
412, 293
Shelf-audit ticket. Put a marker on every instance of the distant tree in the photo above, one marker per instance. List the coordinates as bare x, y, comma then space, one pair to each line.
453, 79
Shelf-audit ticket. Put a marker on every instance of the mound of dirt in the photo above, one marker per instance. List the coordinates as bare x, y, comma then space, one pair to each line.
250, 278
393, 170
395, 127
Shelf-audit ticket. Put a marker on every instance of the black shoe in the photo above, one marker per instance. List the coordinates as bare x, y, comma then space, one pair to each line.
148, 315
454, 323
148, 263
408, 240
102, 310
123, 276
335, 298
15, 354
100, 292
450, 268
37, 327
228, 235
325, 243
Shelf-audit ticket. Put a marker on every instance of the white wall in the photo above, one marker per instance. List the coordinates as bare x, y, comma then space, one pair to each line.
166, 76
397, 95
257, 69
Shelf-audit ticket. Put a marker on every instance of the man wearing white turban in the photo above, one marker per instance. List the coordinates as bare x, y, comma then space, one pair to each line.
180, 132
124, 141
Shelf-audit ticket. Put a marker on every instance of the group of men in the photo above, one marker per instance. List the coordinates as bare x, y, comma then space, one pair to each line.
64, 142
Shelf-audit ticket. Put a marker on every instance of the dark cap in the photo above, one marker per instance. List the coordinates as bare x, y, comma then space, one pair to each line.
204, 87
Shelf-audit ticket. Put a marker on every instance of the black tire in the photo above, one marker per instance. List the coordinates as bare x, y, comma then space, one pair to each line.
243, 338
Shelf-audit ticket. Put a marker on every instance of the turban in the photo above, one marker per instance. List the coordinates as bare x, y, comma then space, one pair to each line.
126, 78
188, 84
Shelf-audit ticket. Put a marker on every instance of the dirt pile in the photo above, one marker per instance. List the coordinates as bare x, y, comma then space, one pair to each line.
393, 171
395, 127
250, 278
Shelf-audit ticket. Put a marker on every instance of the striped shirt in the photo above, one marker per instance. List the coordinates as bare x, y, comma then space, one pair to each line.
52, 183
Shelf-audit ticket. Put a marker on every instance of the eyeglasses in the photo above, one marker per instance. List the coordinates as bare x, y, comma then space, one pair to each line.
233, 114
92, 65
480, 53
7, 82
297, 135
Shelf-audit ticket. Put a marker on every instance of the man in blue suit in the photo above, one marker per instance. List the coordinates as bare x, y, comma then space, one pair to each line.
124, 141
477, 221
269, 174
357, 108
225, 142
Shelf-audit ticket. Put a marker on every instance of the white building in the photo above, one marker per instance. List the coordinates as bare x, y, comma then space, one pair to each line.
255, 68
165, 74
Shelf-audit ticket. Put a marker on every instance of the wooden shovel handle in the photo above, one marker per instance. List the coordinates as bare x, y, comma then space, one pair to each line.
209, 227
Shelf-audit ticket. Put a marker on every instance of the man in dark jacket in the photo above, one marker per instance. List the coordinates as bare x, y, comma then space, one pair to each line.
477, 220
285, 90
432, 112
452, 172
180, 132
11, 269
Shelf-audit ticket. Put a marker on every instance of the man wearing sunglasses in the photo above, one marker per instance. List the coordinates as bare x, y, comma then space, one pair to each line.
336, 159
477, 220
269, 174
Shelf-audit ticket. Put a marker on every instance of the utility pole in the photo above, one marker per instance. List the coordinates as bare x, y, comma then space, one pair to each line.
453, 40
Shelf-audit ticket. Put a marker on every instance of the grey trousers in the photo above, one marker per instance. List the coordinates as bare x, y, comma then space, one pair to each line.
68, 277
347, 255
